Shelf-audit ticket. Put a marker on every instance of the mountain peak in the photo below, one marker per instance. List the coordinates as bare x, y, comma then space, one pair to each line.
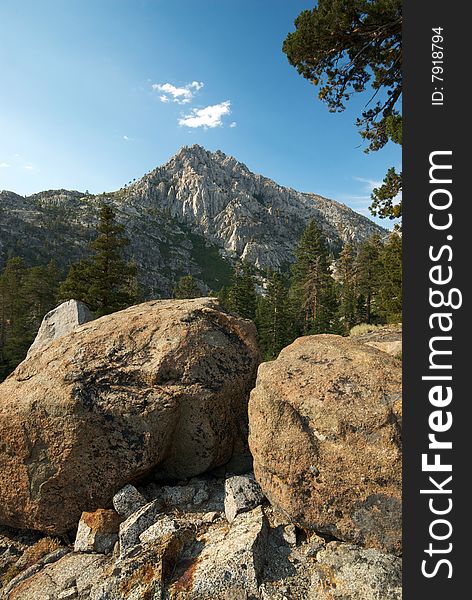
201, 154
247, 215
202, 204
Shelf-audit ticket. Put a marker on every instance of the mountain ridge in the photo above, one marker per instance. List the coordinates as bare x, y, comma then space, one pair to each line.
194, 214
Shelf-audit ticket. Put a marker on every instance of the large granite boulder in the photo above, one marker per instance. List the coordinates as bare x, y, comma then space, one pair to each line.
325, 433
163, 384
60, 321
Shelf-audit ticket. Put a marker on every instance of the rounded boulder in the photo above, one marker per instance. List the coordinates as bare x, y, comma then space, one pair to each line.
162, 385
325, 434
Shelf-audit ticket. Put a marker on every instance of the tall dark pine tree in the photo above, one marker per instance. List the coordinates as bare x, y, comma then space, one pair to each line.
346, 275
391, 279
273, 317
15, 338
369, 273
105, 281
26, 295
313, 291
241, 296
187, 287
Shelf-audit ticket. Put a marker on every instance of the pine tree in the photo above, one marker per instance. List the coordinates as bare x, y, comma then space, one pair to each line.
40, 289
347, 47
105, 282
313, 293
15, 336
391, 279
187, 287
369, 273
75, 286
223, 297
346, 275
26, 295
242, 296
273, 317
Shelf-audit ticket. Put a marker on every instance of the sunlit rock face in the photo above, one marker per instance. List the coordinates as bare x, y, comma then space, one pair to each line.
196, 214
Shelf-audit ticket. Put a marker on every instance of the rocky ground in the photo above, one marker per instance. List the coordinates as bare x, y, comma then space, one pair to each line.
126, 471
181, 544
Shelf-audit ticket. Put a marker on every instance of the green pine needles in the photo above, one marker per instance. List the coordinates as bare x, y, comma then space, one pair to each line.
106, 282
322, 293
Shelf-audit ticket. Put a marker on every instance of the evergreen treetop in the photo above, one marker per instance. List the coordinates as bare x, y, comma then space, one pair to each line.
105, 280
346, 47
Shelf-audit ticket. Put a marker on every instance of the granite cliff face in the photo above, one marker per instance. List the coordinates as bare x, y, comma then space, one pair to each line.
245, 214
195, 214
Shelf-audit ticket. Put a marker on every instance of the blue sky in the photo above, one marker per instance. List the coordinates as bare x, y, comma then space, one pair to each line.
94, 93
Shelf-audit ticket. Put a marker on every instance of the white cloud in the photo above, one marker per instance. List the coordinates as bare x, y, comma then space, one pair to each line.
361, 201
181, 95
370, 184
4, 165
233, 124
210, 116
127, 138
29, 167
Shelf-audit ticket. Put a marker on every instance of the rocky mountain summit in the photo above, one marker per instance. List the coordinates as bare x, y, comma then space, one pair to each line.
131, 467
193, 215
247, 215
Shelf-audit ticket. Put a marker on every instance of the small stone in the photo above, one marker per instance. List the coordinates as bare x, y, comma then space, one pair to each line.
97, 531
159, 529
290, 535
136, 524
128, 500
242, 493
210, 517
69, 594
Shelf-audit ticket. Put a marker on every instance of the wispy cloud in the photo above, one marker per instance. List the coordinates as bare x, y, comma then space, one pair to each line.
29, 167
233, 124
127, 138
210, 116
361, 200
4, 165
181, 95
370, 184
